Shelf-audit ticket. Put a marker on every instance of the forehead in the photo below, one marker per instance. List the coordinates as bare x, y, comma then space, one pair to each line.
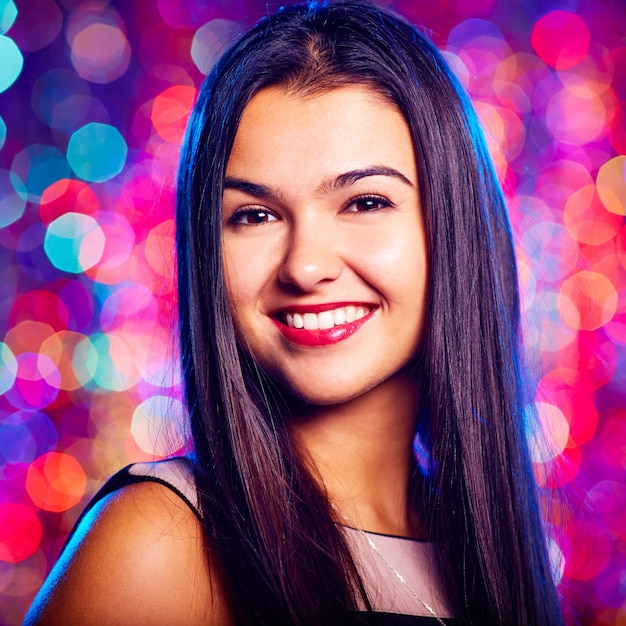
288, 134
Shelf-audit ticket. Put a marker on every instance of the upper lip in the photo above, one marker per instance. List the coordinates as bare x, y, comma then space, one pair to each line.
317, 308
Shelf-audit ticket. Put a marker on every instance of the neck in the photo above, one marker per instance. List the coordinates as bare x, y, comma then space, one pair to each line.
361, 452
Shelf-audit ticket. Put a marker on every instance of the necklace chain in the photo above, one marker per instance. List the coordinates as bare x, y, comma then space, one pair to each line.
396, 573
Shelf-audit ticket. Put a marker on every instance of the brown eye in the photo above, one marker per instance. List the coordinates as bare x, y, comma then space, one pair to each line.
368, 204
251, 217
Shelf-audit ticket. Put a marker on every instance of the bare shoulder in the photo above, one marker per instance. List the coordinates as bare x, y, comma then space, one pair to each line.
138, 557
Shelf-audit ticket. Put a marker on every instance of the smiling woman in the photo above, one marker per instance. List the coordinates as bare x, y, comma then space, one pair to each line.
347, 287
324, 242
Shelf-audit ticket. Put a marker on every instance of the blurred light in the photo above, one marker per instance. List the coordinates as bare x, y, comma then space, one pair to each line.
38, 24
80, 304
458, 67
119, 242
62, 99
24, 435
561, 39
85, 360
617, 134
3, 132
557, 560
20, 532
8, 13
551, 251
475, 7
562, 470
56, 482
35, 168
31, 257
106, 374
587, 219
97, 152
594, 297
186, 13
621, 246
550, 334
67, 196
39, 305
557, 181
27, 336
155, 425
8, 368
549, 440
61, 349
576, 115
476, 31
504, 133
611, 185
589, 550
74, 242
607, 498
12, 62
566, 388
612, 440
37, 382
12, 204
527, 280
160, 249
597, 358
128, 302
210, 41
171, 110
100, 52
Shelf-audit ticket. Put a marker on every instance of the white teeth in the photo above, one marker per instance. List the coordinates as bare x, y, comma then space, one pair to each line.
339, 316
326, 319
310, 321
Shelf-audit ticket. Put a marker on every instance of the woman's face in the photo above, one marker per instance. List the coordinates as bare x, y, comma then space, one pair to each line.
323, 241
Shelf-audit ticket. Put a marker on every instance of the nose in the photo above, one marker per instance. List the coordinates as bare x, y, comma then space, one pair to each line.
312, 257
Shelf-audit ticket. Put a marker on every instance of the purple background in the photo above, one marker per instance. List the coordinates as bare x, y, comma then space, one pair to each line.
93, 102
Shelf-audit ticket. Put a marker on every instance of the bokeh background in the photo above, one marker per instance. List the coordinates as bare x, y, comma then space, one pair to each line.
94, 97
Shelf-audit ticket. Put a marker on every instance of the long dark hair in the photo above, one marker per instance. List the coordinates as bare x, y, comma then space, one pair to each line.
269, 530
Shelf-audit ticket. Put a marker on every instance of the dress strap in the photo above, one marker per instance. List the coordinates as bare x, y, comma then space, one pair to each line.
176, 474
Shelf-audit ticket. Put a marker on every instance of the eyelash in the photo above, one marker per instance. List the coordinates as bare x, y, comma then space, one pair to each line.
371, 198
237, 216
250, 211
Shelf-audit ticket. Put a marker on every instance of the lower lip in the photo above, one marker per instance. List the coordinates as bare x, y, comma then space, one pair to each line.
317, 338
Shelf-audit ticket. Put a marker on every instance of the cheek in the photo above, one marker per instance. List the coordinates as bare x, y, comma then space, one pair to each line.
249, 266
238, 295
232, 283
398, 266
238, 275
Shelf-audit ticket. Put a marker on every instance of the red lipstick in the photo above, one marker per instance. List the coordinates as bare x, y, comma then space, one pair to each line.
320, 337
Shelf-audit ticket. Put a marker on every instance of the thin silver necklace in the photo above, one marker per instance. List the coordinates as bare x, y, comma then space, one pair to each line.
381, 556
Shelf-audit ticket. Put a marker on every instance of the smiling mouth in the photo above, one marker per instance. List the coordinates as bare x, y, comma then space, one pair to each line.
326, 319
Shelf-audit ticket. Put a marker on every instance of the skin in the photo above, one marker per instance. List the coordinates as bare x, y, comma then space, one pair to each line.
140, 556
301, 229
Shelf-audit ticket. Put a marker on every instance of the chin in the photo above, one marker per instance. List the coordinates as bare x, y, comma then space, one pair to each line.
326, 394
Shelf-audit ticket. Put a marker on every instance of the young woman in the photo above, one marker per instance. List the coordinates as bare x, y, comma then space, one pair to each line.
348, 295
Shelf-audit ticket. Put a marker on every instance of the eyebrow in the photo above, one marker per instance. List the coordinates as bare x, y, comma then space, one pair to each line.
351, 177
332, 184
252, 189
